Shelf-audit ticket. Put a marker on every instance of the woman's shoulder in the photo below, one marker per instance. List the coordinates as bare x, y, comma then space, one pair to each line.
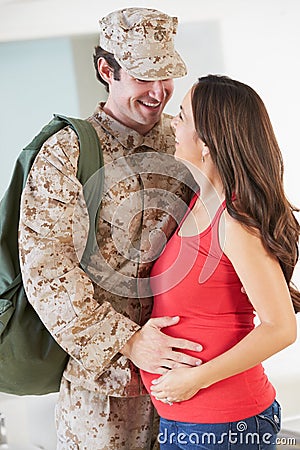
233, 225
238, 236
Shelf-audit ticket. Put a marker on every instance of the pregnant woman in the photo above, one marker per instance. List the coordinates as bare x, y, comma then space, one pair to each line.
231, 258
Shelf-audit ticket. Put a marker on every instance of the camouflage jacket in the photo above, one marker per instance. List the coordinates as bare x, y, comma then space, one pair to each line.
92, 314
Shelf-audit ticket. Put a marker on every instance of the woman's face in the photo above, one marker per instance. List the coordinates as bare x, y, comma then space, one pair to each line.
189, 146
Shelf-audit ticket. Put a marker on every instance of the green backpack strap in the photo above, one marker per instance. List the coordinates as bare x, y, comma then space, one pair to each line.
89, 162
90, 156
30, 359
90, 172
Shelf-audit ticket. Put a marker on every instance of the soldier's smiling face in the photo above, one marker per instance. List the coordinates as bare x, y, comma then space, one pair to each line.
136, 103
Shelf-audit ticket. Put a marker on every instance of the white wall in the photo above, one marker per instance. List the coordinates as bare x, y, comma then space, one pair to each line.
37, 79
46, 67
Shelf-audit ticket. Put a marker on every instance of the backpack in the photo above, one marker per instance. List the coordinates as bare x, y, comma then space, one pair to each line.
31, 362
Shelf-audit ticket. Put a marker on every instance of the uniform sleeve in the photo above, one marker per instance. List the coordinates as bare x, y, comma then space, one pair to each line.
59, 290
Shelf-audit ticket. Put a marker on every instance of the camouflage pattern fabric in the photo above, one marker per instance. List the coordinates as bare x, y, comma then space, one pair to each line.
92, 316
142, 42
89, 421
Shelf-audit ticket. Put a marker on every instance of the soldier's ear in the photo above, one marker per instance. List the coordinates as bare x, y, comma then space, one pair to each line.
105, 71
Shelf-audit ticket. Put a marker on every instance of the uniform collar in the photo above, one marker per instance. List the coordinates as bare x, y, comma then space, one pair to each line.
128, 138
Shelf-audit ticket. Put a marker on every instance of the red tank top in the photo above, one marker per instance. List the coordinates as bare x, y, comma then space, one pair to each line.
193, 279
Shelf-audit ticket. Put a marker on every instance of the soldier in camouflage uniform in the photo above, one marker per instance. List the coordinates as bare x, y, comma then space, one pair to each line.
100, 317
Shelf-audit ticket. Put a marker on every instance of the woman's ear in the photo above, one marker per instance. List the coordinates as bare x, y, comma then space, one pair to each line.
105, 71
204, 152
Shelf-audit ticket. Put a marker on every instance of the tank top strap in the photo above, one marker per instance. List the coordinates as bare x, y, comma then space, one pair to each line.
190, 207
216, 219
215, 252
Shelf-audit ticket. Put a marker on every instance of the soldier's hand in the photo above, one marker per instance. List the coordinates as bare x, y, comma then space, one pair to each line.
152, 350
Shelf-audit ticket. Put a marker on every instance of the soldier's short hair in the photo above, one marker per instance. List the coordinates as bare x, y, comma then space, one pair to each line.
111, 61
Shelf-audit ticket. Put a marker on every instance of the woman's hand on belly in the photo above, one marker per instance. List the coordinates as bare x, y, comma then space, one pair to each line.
178, 385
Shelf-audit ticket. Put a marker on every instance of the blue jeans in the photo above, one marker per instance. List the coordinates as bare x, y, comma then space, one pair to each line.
255, 433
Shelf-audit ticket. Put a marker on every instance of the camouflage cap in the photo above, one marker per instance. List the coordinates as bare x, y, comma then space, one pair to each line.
142, 42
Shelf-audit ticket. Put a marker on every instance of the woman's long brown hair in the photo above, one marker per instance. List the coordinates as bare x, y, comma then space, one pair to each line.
231, 119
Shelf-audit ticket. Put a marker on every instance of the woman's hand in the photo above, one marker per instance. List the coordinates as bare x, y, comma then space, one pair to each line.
177, 385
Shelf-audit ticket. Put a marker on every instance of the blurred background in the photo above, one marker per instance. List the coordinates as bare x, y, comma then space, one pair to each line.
46, 67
